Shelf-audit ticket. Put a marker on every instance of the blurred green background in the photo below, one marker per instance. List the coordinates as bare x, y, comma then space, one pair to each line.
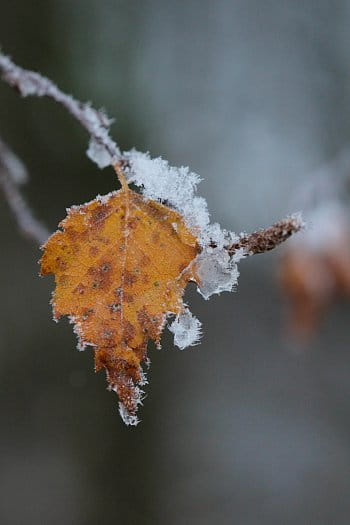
254, 96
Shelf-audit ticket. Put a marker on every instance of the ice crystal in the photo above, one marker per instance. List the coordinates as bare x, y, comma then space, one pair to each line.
217, 270
98, 154
186, 329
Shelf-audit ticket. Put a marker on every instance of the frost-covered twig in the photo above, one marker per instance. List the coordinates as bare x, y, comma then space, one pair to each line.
96, 123
13, 173
157, 180
155, 176
267, 239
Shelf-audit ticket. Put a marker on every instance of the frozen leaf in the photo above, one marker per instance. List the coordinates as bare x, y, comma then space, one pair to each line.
121, 265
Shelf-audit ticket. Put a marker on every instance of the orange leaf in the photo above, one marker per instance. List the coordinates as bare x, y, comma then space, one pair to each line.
121, 265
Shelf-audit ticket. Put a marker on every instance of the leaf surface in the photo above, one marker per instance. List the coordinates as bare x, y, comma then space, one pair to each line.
121, 265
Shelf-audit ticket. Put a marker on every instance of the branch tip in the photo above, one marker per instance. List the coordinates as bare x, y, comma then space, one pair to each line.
267, 239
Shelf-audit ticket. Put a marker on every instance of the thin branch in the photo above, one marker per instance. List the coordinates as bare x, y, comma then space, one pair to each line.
103, 150
13, 173
267, 239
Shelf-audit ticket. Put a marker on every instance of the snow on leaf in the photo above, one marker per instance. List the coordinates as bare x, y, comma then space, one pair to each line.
121, 264
176, 186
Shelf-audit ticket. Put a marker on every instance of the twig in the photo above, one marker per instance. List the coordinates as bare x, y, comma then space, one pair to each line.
267, 239
103, 150
13, 173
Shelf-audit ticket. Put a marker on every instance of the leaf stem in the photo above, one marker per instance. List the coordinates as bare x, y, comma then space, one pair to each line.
122, 179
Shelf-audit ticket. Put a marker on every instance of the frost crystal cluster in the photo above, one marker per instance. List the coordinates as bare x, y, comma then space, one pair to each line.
186, 329
175, 187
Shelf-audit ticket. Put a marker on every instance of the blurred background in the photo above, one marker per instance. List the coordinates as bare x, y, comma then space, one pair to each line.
247, 427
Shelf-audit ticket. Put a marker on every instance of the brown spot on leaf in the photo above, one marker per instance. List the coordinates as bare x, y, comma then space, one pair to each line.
145, 260
99, 214
87, 313
128, 298
62, 265
93, 251
79, 289
129, 278
150, 323
101, 277
108, 333
132, 223
129, 331
114, 307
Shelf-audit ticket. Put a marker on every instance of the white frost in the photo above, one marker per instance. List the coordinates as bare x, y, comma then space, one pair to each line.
175, 187
129, 419
103, 199
137, 397
217, 271
186, 329
98, 154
